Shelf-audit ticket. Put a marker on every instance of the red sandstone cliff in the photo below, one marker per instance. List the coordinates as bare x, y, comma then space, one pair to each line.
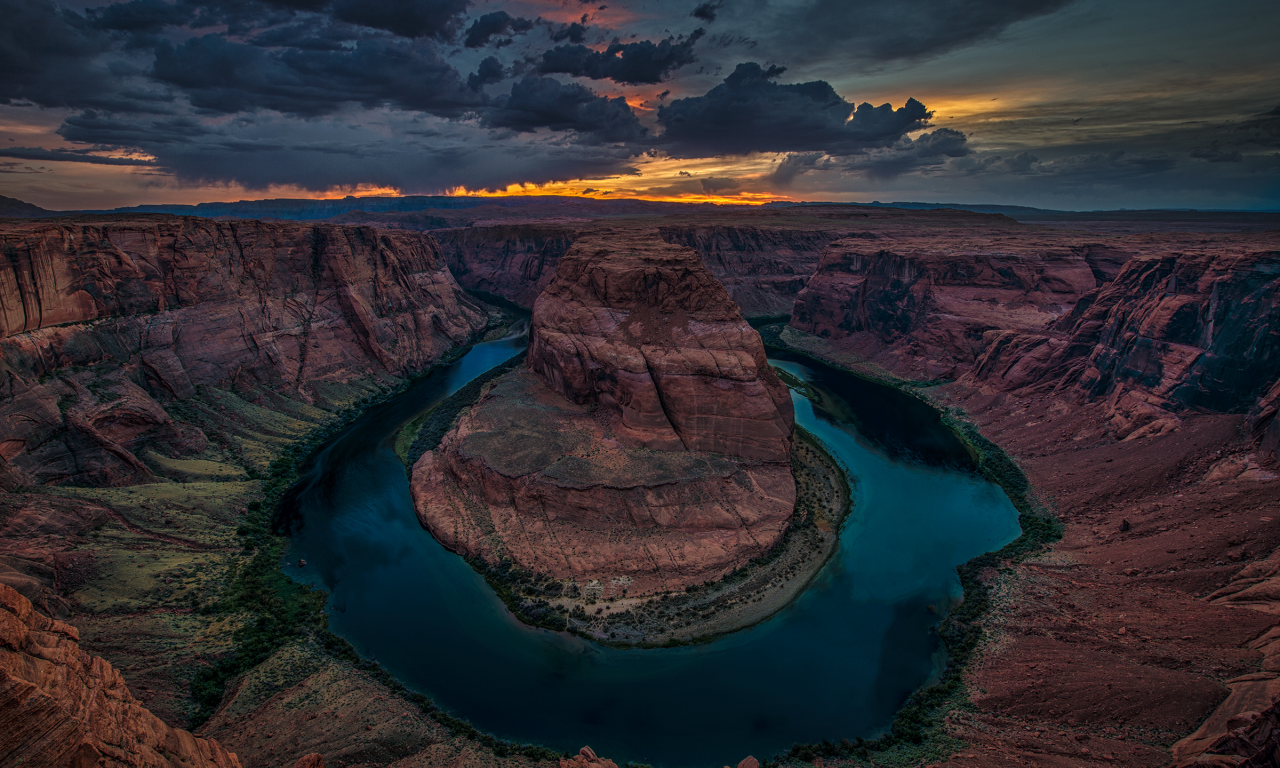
514, 261
762, 267
61, 706
643, 329
1190, 327
164, 304
919, 301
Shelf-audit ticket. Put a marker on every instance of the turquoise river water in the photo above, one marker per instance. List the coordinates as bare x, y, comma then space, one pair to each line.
837, 663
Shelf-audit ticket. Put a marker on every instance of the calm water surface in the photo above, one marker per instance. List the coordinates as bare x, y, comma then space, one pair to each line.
837, 663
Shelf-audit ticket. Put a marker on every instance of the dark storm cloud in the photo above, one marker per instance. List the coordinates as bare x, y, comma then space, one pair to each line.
312, 34
415, 155
407, 18
50, 57
1090, 167
91, 127
227, 77
68, 155
714, 184
574, 33
907, 155
749, 112
544, 102
877, 31
795, 165
629, 63
141, 15
707, 11
498, 23
489, 71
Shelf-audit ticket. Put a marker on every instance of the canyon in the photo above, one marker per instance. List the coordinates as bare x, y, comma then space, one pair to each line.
157, 365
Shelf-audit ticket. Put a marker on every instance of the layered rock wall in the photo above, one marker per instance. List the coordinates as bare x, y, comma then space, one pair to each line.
921, 302
61, 706
644, 330
103, 316
1174, 332
530, 477
763, 268
514, 261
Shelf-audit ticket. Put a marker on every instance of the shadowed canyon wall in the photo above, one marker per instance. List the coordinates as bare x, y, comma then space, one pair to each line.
165, 305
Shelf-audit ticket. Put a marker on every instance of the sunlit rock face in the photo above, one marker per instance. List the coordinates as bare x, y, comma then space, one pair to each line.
645, 448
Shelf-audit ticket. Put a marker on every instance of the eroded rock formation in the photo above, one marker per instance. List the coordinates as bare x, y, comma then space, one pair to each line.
644, 330
763, 268
1190, 328
646, 449
919, 302
514, 261
104, 315
61, 706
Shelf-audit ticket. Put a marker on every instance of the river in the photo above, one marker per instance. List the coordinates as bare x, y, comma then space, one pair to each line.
836, 663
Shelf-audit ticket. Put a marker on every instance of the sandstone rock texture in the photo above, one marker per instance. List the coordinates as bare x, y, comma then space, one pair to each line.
762, 267
531, 477
645, 331
513, 261
1152, 324
164, 304
918, 300
61, 706
586, 758
761, 261
1189, 327
647, 448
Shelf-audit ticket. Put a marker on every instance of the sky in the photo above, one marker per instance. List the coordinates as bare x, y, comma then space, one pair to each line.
1066, 104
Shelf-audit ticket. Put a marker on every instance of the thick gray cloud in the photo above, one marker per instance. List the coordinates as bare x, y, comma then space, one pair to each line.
489, 71
141, 15
68, 155
51, 57
544, 102
876, 31
428, 155
407, 18
229, 77
629, 63
496, 24
749, 112
574, 33
707, 11
907, 155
